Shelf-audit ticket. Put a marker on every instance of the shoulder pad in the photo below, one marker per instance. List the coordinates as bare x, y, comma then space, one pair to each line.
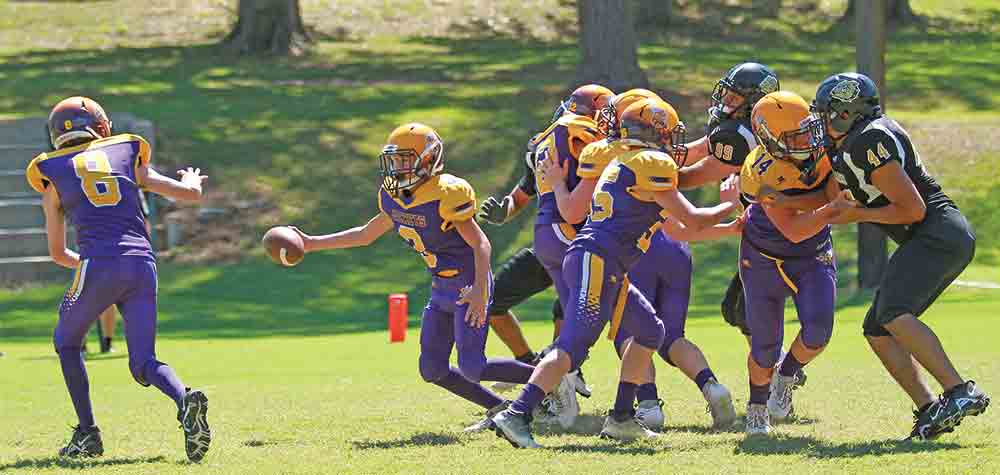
654, 171
34, 175
458, 199
595, 158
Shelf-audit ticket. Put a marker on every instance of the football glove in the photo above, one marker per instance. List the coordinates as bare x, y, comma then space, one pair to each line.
496, 212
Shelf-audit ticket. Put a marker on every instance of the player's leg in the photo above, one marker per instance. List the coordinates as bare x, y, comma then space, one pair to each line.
592, 284
138, 309
107, 327
640, 320
92, 290
472, 361
518, 279
647, 276
816, 285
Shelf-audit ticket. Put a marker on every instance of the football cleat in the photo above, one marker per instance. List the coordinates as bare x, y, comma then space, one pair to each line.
84, 443
780, 403
758, 420
626, 427
924, 427
192, 416
800, 375
487, 421
968, 398
946, 413
564, 403
720, 404
515, 428
580, 384
650, 413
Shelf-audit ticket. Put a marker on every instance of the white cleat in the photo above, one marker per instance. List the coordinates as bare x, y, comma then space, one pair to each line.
580, 384
650, 413
487, 422
564, 402
628, 430
514, 428
720, 404
758, 420
779, 405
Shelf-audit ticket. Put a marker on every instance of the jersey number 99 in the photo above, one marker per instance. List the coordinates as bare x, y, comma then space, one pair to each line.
99, 185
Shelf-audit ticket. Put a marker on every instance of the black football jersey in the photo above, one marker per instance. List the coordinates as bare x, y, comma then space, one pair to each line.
873, 145
527, 183
731, 141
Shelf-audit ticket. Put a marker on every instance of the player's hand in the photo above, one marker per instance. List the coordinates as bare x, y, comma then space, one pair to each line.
729, 190
496, 212
842, 209
475, 297
553, 171
192, 177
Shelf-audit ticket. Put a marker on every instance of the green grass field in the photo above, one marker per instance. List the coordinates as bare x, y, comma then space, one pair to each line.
299, 137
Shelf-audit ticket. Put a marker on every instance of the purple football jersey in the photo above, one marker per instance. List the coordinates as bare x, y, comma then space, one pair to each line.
564, 140
426, 221
624, 215
98, 189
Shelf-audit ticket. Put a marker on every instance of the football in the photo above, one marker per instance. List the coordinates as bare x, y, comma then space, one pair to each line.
284, 245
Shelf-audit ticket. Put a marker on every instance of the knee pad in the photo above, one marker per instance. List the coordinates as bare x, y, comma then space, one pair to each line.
652, 337
433, 369
816, 338
668, 340
577, 352
766, 356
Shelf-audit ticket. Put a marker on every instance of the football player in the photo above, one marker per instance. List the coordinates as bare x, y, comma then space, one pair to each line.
785, 253
876, 161
629, 202
432, 211
94, 178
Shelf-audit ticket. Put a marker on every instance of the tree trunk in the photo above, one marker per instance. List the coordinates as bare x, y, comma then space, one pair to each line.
608, 45
897, 11
653, 12
268, 26
870, 56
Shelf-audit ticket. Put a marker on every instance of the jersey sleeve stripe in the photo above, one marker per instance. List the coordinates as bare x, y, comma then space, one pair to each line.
899, 146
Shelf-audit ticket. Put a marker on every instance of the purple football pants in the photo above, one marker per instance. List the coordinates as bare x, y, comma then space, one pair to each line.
663, 275
596, 292
551, 242
768, 281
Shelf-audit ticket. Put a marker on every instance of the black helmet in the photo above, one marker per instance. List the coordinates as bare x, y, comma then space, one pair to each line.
844, 99
751, 81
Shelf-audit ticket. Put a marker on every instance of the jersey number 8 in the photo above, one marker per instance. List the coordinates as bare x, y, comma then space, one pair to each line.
99, 185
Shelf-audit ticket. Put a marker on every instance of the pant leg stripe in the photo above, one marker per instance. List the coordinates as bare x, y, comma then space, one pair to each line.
616, 316
81, 278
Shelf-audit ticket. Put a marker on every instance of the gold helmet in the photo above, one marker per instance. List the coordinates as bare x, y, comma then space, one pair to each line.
610, 116
784, 127
588, 100
413, 153
655, 123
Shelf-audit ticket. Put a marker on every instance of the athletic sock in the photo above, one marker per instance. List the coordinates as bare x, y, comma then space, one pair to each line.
703, 377
458, 385
507, 370
75, 375
530, 397
759, 394
163, 378
790, 365
626, 396
646, 392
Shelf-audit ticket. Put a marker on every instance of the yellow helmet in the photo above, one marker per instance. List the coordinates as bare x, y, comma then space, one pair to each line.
655, 123
610, 116
784, 127
412, 154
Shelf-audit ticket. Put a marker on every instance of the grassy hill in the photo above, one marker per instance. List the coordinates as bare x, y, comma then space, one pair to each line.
300, 134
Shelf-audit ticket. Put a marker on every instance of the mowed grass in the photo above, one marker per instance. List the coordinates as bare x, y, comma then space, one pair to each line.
352, 403
295, 361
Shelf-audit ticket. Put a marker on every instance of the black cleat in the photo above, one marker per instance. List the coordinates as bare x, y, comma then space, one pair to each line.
967, 399
197, 436
924, 426
84, 443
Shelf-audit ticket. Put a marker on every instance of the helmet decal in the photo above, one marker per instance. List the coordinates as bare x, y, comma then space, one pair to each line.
769, 84
846, 91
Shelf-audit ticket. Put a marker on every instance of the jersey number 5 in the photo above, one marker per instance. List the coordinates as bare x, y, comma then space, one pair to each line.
99, 185
413, 239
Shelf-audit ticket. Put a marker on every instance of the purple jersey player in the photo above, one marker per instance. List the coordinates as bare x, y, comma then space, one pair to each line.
633, 196
784, 253
94, 180
433, 212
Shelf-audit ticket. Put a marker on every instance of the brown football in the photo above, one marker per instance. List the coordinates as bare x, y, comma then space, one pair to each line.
284, 245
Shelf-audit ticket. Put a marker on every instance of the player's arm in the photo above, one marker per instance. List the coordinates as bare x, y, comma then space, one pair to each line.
55, 229
906, 206
706, 170
187, 189
476, 294
679, 232
354, 237
797, 226
688, 214
573, 205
